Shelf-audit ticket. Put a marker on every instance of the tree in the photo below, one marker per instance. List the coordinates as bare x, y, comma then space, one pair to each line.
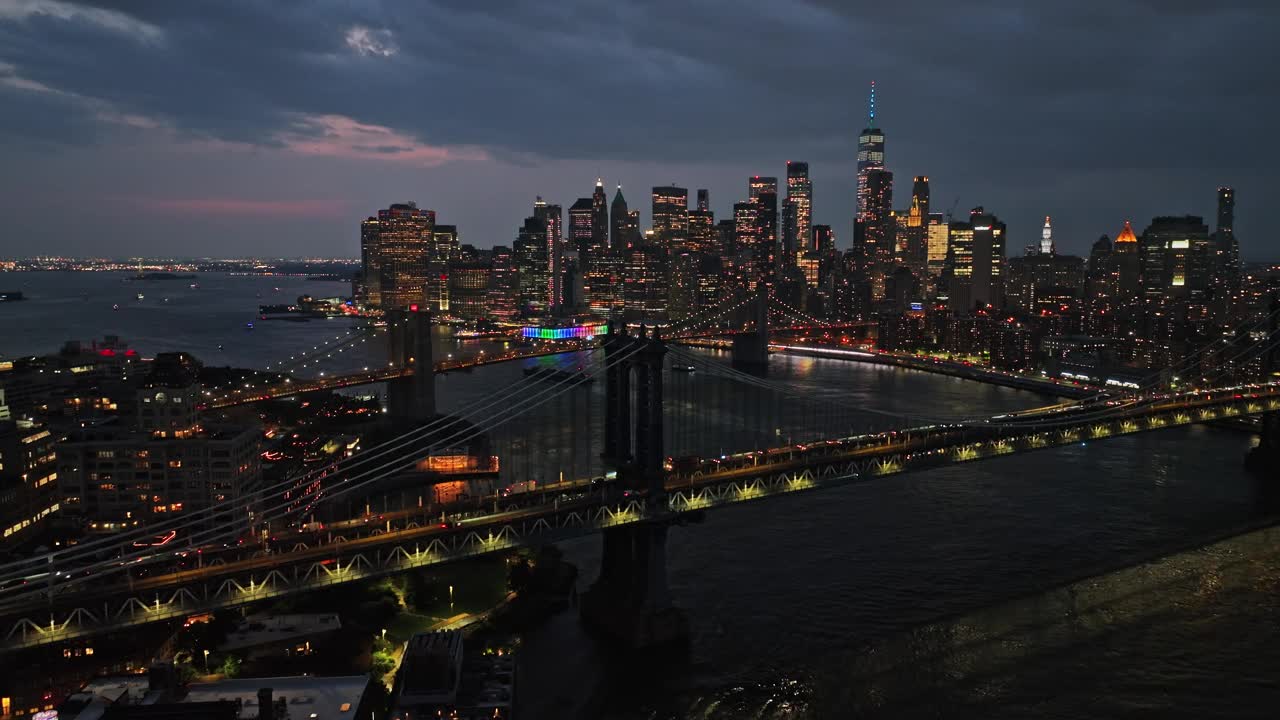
230, 667
382, 663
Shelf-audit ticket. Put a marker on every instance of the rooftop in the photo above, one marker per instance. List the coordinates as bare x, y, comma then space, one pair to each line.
321, 698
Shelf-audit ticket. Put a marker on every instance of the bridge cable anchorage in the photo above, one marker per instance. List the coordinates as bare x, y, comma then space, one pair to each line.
518, 410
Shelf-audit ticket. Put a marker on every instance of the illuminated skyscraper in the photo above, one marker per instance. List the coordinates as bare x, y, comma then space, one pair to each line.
763, 192
599, 223
1174, 254
1046, 238
670, 214
581, 227
704, 200
797, 210
504, 284
702, 232
618, 238
936, 244
920, 193
645, 284
445, 245
976, 255
537, 255
395, 247
914, 228
553, 218
870, 154
1225, 282
369, 289
469, 288
746, 236
1128, 266
878, 227
824, 240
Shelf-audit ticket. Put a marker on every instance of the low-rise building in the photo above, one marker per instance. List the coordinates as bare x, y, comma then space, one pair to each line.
168, 463
28, 480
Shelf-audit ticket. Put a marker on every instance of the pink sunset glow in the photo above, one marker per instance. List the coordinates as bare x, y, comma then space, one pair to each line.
343, 137
242, 207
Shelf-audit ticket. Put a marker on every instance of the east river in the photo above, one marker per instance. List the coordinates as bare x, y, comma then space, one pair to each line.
1027, 586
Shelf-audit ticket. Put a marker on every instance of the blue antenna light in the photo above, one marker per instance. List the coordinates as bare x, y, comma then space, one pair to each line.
873, 104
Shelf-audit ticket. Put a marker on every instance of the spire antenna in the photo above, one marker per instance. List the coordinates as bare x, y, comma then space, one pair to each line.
872, 114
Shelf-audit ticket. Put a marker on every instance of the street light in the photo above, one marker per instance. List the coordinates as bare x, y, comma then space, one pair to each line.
206, 662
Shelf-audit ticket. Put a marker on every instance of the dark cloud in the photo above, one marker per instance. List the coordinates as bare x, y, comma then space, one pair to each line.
995, 97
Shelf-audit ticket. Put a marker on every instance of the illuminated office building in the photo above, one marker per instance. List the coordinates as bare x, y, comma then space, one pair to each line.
878, 228
645, 287
870, 155
1175, 259
914, 229
534, 266
1128, 266
747, 239
1225, 280
581, 225
976, 256
444, 244
682, 287
704, 200
936, 244
763, 192
604, 281
670, 214
1046, 238
619, 237
703, 236
169, 464
28, 481
395, 247
798, 209
824, 239
469, 288
504, 284
599, 223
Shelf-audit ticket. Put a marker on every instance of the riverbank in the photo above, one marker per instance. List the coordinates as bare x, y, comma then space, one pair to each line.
964, 370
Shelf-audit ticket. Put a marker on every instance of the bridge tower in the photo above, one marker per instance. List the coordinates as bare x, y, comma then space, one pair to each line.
411, 399
751, 351
629, 602
1265, 458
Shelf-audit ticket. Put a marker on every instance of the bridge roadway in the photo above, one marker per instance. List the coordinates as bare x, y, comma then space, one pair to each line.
243, 396
579, 507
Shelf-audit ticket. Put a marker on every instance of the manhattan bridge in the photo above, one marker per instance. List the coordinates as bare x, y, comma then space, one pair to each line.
651, 450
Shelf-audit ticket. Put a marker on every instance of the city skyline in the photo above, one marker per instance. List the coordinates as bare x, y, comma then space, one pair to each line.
258, 161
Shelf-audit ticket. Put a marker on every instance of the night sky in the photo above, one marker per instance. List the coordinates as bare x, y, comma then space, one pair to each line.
183, 127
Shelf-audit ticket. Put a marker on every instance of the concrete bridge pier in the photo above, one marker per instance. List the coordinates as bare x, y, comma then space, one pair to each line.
1265, 458
629, 603
411, 399
750, 352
